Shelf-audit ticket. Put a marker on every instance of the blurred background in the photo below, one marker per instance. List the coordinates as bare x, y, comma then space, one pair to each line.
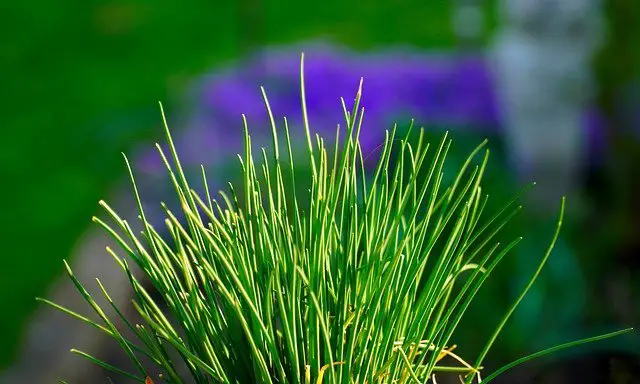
554, 85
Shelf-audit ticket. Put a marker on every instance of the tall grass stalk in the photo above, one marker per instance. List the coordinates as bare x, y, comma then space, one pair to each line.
363, 280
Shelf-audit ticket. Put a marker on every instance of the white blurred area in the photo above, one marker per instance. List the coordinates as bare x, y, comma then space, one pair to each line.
541, 58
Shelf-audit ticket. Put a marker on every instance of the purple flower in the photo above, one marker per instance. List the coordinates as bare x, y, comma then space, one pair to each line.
445, 90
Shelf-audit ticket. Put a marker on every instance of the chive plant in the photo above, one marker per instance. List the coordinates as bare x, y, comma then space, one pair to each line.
363, 280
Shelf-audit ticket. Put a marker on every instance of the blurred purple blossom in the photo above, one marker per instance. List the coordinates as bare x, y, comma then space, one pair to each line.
446, 90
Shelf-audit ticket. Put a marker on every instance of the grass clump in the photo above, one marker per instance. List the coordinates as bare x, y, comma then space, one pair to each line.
366, 282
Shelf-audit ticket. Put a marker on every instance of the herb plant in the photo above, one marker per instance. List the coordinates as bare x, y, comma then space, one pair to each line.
366, 282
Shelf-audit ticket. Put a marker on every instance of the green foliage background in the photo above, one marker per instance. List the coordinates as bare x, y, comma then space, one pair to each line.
79, 83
